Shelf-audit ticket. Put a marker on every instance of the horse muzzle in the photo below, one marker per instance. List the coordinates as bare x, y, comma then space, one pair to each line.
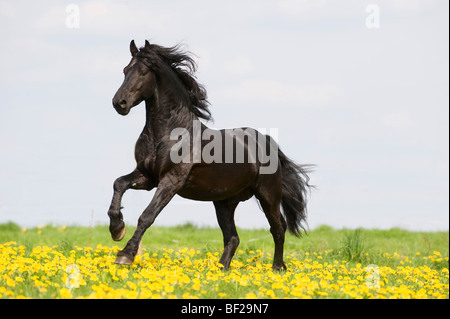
121, 106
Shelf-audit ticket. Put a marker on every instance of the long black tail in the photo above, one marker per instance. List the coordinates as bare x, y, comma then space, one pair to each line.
295, 189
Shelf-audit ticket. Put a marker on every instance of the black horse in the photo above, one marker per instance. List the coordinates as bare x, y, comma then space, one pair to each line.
205, 170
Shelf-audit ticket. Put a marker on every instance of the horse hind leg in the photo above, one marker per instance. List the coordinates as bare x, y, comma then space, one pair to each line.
270, 199
278, 230
225, 216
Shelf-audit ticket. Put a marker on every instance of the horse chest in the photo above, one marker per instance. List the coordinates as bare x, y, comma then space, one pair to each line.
145, 152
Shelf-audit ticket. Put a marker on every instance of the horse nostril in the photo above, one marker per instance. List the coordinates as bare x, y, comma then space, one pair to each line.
123, 104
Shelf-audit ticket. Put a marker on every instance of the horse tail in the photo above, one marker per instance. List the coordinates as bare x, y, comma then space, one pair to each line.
295, 187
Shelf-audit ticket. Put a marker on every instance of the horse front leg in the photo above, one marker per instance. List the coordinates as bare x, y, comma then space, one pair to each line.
167, 188
134, 180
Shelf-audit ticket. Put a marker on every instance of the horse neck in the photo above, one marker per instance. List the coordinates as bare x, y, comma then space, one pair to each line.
168, 108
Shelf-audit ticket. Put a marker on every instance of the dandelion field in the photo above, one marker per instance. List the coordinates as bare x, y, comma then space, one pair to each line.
182, 263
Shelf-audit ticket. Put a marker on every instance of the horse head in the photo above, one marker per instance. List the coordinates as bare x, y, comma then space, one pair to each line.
138, 85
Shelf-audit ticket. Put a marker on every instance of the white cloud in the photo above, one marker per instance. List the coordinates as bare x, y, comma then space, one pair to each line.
398, 120
105, 17
411, 5
96, 9
300, 7
273, 91
6, 9
307, 10
239, 65
202, 56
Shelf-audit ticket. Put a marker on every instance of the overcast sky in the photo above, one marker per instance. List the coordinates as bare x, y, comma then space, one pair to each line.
367, 103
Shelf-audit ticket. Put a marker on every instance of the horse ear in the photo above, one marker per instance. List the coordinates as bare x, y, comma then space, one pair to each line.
133, 48
147, 45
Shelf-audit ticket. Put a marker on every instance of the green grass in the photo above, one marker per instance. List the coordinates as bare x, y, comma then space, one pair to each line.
369, 245
324, 245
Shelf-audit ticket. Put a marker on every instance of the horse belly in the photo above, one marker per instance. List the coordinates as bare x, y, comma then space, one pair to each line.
218, 181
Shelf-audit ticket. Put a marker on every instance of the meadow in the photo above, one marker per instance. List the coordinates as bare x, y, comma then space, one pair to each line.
182, 263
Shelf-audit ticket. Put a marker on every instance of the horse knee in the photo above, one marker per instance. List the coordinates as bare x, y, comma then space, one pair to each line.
120, 185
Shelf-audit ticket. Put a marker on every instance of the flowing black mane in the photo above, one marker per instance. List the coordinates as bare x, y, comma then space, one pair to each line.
184, 67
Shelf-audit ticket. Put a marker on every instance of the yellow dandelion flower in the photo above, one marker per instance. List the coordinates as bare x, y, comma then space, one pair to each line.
65, 293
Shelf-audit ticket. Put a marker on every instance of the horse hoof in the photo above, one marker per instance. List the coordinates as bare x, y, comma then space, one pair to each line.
123, 260
120, 236
279, 268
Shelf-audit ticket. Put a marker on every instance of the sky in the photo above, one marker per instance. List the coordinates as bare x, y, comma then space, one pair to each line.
358, 88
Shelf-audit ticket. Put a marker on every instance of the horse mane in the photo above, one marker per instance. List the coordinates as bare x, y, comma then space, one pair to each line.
184, 67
